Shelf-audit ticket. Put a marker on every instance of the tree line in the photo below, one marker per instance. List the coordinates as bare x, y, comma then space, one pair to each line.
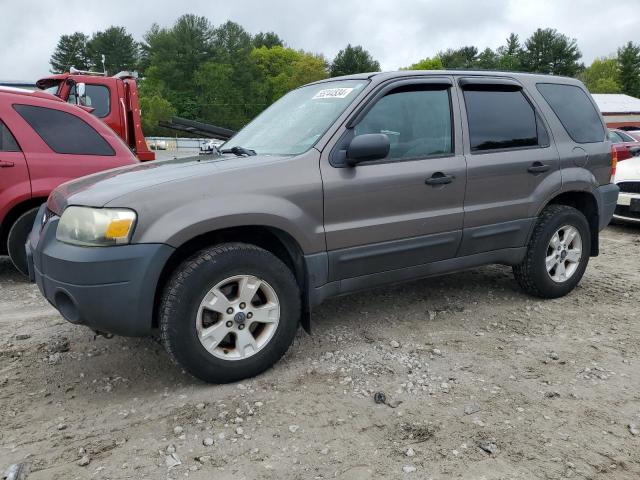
225, 76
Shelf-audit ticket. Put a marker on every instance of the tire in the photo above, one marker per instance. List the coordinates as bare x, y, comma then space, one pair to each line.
181, 313
17, 238
532, 274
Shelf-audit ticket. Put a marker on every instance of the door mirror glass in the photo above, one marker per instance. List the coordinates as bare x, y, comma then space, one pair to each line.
81, 92
370, 146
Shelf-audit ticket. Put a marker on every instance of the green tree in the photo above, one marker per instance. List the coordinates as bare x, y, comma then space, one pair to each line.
172, 56
71, 51
219, 99
283, 69
118, 47
464, 57
267, 39
426, 64
487, 60
602, 76
352, 60
231, 43
509, 55
154, 109
548, 51
629, 69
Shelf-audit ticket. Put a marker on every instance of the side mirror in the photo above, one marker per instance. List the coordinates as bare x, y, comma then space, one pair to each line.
369, 146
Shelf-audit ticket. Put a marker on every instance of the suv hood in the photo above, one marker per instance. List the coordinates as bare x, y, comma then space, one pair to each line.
101, 188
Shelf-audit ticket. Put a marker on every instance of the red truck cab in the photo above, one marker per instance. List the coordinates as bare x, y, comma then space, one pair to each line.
45, 142
114, 100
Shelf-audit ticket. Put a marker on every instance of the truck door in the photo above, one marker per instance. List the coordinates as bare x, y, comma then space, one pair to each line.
14, 175
406, 209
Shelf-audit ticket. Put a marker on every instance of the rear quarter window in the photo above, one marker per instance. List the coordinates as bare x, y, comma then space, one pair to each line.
7, 140
63, 132
575, 111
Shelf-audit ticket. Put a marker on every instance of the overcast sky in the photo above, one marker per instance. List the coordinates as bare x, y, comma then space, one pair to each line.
396, 32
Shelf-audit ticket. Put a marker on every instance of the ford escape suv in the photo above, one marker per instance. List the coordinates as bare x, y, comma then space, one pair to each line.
341, 185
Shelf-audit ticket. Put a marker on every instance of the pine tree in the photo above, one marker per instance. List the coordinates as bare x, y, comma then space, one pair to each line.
629, 69
548, 51
71, 51
121, 51
353, 60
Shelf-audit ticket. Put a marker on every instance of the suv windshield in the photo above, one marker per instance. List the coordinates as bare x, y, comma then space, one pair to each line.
294, 123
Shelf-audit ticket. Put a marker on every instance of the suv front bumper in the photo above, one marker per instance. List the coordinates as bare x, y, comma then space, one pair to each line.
110, 289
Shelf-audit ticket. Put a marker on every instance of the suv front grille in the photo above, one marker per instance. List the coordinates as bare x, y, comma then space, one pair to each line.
629, 187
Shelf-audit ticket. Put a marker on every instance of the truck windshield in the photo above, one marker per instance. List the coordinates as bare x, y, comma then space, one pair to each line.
294, 123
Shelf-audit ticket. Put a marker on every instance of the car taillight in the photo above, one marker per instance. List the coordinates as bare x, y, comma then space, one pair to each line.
614, 162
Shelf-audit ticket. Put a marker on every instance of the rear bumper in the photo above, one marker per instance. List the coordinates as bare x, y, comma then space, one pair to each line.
607, 200
110, 289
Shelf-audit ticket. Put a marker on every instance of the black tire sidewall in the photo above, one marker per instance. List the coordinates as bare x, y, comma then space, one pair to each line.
17, 238
181, 321
544, 283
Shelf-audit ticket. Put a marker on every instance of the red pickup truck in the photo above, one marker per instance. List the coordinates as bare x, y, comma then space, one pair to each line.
44, 142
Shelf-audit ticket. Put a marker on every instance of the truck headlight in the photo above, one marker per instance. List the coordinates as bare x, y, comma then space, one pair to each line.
96, 227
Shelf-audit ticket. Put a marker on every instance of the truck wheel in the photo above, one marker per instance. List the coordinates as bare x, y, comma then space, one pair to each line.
17, 239
229, 312
557, 253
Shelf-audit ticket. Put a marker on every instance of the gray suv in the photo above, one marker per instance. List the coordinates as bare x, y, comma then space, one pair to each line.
341, 185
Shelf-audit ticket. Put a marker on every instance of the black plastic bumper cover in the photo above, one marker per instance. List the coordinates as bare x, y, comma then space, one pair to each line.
110, 289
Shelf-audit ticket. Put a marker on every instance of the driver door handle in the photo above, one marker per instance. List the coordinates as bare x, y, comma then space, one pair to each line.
439, 178
4, 164
538, 167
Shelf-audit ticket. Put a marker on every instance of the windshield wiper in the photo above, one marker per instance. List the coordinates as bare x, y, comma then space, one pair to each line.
239, 151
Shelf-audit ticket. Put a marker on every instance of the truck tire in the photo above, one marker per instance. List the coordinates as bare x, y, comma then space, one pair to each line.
229, 312
17, 238
557, 253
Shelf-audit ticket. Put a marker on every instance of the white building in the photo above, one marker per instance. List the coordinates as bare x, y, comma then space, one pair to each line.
618, 110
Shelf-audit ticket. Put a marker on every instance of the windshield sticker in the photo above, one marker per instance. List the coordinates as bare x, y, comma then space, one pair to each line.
332, 93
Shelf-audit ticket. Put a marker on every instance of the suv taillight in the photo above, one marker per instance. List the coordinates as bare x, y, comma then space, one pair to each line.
622, 153
614, 162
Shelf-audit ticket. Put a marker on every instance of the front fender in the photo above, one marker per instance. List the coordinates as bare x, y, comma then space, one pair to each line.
188, 221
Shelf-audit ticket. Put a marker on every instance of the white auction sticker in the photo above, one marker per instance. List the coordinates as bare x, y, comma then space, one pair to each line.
333, 93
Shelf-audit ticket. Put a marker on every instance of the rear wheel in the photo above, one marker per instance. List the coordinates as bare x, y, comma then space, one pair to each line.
557, 253
17, 239
229, 312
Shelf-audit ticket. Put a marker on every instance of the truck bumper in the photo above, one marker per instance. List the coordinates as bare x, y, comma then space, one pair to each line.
607, 200
109, 289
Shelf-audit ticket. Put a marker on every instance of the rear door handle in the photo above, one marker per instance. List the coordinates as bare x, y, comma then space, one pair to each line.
538, 167
4, 164
439, 178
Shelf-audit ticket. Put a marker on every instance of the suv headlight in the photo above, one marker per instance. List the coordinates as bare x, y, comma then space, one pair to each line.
96, 227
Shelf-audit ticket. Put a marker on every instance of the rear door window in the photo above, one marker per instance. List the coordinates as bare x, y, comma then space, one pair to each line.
7, 140
501, 119
64, 132
575, 111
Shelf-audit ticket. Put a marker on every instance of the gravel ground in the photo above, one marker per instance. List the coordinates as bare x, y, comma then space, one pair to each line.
480, 382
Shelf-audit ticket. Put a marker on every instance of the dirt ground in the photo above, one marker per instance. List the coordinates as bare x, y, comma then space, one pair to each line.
481, 382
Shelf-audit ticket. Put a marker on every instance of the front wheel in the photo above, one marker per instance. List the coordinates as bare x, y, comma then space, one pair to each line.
229, 312
557, 253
